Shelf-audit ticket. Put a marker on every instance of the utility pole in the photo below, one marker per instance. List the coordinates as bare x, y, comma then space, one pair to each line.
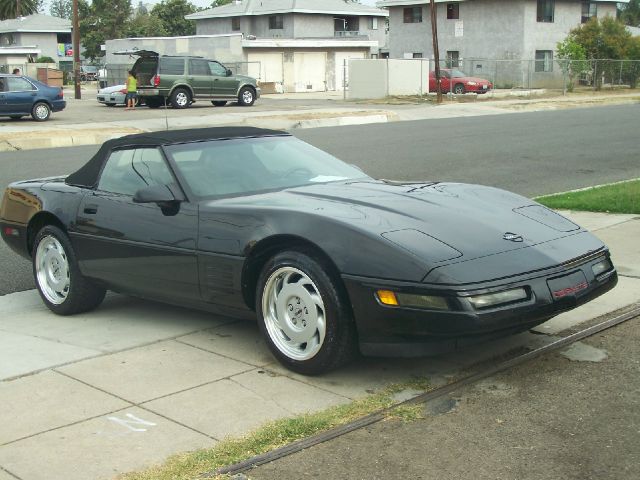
76, 51
18, 8
436, 52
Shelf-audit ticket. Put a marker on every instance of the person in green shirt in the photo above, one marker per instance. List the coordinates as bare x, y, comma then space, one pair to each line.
132, 91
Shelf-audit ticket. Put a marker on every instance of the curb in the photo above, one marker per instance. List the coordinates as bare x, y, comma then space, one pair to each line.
31, 140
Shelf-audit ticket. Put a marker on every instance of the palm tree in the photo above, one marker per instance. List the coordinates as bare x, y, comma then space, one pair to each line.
15, 8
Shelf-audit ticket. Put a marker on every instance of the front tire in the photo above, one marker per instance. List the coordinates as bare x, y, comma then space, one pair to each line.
303, 314
458, 89
246, 97
180, 98
40, 112
62, 287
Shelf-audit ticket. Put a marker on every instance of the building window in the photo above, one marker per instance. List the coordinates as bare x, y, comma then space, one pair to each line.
453, 11
276, 22
373, 23
544, 60
413, 15
589, 9
417, 55
235, 24
453, 59
545, 10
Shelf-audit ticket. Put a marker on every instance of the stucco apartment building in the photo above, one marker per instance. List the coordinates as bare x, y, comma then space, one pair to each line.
23, 39
488, 29
299, 44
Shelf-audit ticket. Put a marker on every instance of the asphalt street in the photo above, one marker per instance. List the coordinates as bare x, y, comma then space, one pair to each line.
529, 153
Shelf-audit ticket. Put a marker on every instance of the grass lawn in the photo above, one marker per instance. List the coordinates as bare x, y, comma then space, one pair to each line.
615, 198
192, 465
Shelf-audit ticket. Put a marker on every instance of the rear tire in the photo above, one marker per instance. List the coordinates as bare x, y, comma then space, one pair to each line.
154, 102
304, 314
63, 289
180, 98
41, 112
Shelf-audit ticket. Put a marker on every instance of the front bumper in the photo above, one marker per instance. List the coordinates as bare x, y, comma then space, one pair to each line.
407, 332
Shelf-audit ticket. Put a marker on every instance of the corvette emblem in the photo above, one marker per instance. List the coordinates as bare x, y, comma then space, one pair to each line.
513, 237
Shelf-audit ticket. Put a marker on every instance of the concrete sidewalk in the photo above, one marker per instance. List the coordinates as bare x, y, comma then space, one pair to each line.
123, 387
95, 123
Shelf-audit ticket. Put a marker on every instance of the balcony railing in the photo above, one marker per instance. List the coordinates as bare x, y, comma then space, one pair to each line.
347, 33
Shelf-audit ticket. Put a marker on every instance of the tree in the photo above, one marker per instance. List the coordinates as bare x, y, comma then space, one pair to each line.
145, 25
630, 13
61, 9
219, 3
9, 8
104, 20
603, 40
172, 13
572, 58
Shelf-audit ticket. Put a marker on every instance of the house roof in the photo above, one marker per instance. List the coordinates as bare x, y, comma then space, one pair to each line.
273, 7
36, 23
400, 3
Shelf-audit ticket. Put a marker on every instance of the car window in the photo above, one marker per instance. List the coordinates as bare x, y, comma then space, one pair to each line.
18, 84
249, 165
199, 67
217, 69
127, 171
2, 84
172, 66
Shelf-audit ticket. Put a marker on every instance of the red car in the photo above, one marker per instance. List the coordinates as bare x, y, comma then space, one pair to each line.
461, 82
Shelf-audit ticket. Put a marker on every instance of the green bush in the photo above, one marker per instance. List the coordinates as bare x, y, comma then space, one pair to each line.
45, 60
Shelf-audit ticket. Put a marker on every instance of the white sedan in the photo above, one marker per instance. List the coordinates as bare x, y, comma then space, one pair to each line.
115, 95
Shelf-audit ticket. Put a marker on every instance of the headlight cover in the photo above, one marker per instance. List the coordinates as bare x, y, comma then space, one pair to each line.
498, 298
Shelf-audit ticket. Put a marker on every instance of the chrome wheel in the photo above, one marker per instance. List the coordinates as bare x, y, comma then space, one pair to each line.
294, 313
247, 97
52, 270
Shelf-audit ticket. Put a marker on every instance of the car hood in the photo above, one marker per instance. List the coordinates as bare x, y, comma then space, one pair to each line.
445, 220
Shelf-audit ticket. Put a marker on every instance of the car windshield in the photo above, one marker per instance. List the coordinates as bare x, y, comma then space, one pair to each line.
457, 74
251, 165
90, 69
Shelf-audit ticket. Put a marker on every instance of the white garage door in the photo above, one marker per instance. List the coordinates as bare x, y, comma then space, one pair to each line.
267, 67
310, 71
341, 57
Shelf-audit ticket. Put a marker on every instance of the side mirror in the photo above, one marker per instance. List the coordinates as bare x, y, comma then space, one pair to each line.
229, 72
160, 194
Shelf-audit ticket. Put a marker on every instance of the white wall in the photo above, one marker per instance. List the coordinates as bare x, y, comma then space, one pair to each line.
372, 78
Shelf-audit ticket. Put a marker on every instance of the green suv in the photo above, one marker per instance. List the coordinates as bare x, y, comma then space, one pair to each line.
180, 80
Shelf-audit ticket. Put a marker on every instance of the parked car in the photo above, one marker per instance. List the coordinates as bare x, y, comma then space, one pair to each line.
458, 82
181, 80
251, 222
88, 73
112, 96
21, 96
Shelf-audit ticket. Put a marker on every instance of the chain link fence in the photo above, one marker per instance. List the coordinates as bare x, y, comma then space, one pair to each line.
548, 73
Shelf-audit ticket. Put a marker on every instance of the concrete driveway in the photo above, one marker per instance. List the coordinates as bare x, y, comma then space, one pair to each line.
125, 386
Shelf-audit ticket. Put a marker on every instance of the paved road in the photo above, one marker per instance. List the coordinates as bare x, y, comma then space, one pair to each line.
529, 153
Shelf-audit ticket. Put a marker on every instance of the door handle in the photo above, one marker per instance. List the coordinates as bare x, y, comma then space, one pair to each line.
91, 209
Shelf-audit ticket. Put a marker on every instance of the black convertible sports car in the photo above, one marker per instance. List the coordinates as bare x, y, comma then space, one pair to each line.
243, 220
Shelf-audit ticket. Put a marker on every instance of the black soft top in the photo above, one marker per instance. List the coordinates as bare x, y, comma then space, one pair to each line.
87, 175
